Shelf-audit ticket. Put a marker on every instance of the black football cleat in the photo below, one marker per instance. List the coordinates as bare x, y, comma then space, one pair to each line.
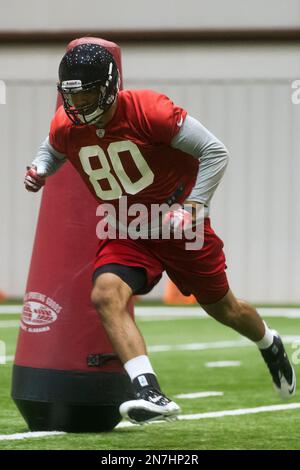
150, 405
281, 370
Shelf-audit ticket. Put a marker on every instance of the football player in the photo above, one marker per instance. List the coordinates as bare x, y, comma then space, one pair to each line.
145, 147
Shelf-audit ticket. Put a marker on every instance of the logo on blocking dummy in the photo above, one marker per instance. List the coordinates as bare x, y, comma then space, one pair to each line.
39, 312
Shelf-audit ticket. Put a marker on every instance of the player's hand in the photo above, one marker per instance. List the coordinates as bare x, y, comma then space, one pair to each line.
184, 218
178, 219
33, 182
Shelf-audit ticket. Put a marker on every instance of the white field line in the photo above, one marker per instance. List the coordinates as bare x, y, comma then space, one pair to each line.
240, 343
9, 359
242, 411
10, 309
29, 435
223, 364
166, 313
9, 323
221, 414
124, 424
199, 395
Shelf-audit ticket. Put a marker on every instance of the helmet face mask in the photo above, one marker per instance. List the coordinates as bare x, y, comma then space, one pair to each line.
83, 106
88, 83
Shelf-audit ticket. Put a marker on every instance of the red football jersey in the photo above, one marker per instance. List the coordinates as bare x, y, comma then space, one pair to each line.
132, 155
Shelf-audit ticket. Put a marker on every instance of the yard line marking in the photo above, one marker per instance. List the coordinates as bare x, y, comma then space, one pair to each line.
125, 424
9, 323
29, 435
223, 364
169, 318
11, 309
9, 358
199, 346
199, 395
221, 414
182, 312
163, 313
242, 411
242, 343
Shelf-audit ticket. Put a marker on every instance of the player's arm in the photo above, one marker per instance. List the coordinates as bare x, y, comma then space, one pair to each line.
47, 161
194, 139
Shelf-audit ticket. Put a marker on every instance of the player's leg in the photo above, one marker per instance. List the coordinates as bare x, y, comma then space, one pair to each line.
114, 284
110, 296
202, 273
237, 314
244, 318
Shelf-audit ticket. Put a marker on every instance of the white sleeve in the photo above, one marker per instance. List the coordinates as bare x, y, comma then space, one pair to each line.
48, 160
194, 139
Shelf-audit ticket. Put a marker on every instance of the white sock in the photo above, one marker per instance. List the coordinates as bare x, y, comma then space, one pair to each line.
267, 339
137, 366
